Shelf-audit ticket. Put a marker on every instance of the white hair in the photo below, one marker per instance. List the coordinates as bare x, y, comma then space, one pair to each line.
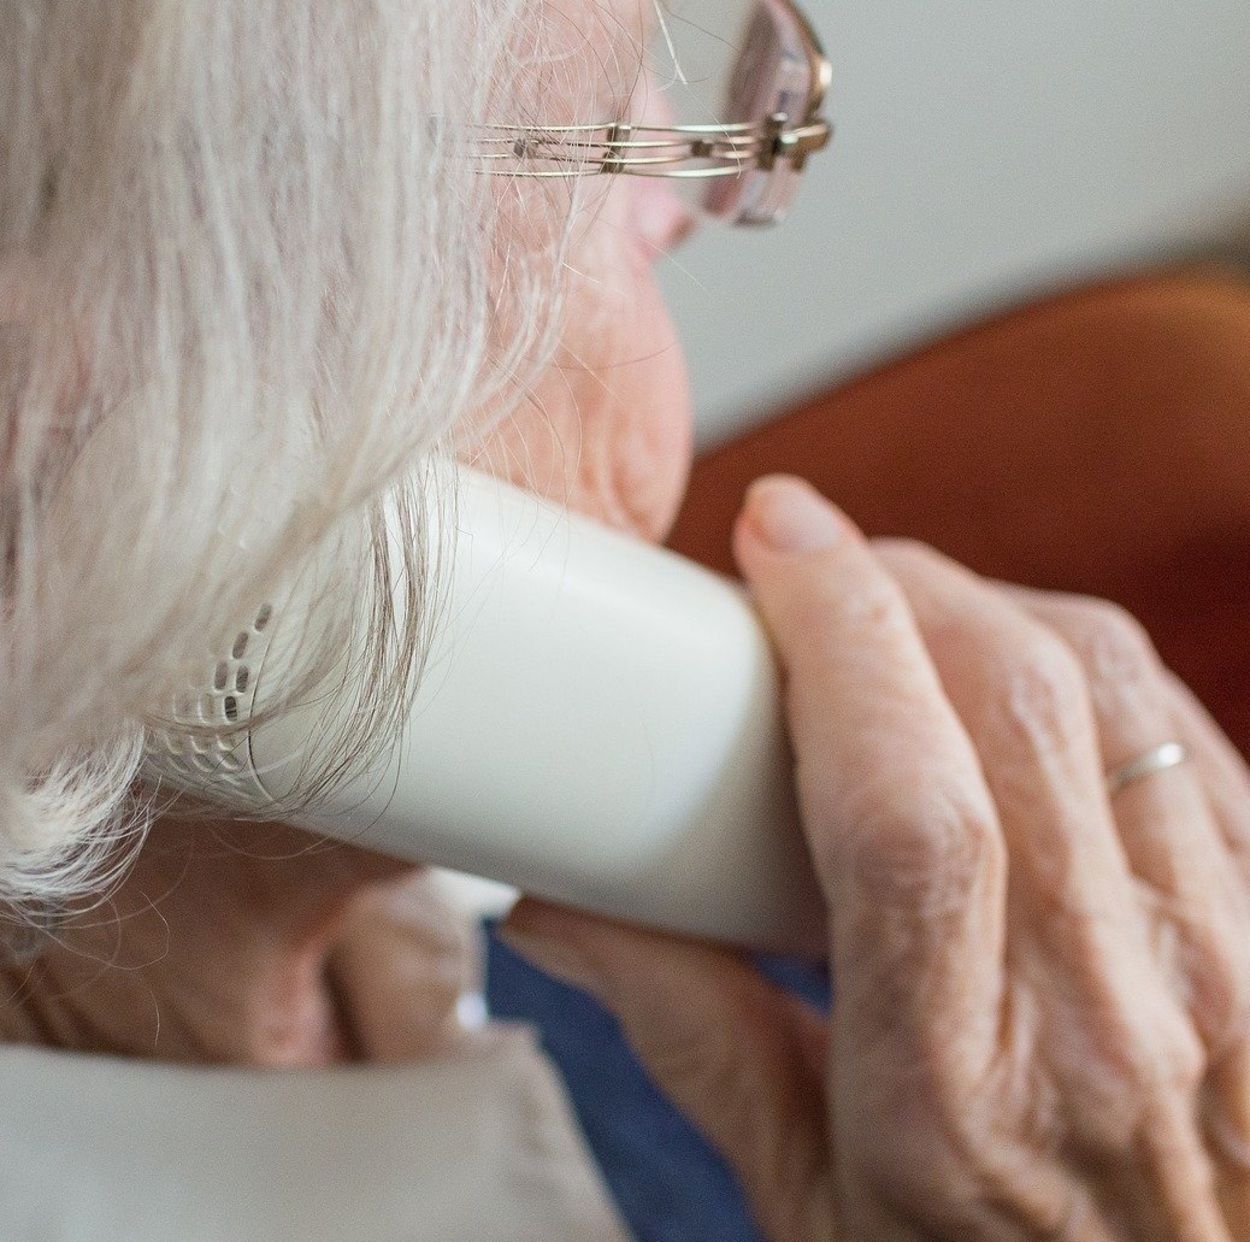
249, 281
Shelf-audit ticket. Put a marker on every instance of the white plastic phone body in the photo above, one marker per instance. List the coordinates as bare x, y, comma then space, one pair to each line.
599, 724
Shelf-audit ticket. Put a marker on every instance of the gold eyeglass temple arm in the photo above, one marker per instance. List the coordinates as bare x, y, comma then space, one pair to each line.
693, 151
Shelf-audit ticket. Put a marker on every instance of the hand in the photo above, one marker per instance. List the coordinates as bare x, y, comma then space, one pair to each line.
1040, 1025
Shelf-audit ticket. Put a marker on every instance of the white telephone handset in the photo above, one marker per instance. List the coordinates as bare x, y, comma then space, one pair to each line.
599, 724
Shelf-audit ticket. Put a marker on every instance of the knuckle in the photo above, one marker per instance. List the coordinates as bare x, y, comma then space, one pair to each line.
1042, 698
928, 853
1114, 628
876, 600
1184, 1063
871, 602
1166, 1060
1114, 647
1218, 982
1131, 1073
908, 552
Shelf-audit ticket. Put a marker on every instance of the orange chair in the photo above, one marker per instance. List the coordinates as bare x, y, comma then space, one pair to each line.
1098, 442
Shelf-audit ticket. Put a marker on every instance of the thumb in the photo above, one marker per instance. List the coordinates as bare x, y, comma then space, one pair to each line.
799, 554
741, 1059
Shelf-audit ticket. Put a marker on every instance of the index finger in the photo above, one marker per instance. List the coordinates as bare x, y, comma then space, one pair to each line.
900, 822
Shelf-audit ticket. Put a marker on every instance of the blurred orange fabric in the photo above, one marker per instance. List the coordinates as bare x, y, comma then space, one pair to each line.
1097, 442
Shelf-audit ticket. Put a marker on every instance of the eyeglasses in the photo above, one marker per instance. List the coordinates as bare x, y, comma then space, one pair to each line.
742, 155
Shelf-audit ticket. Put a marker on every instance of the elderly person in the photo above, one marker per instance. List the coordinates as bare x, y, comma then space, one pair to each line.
251, 279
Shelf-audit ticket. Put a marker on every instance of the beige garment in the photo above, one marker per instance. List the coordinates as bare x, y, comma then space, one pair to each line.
479, 1146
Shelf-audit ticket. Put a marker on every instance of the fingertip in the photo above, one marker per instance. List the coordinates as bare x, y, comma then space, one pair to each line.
784, 516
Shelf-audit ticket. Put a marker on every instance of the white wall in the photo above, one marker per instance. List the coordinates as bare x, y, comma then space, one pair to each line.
986, 149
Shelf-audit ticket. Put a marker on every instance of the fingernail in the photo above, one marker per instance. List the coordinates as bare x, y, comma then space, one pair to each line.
555, 957
791, 516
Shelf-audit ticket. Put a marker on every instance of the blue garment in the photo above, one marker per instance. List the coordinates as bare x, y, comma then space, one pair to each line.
668, 1183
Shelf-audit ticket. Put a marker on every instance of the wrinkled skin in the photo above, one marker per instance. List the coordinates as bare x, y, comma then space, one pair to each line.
1041, 1023
1040, 1027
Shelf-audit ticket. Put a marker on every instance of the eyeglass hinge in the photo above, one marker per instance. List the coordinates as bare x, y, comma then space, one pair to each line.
794, 145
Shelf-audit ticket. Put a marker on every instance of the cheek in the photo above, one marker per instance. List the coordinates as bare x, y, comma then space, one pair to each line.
637, 410
608, 430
